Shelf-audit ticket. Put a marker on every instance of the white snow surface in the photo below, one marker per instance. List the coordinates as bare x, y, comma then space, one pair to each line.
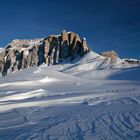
91, 98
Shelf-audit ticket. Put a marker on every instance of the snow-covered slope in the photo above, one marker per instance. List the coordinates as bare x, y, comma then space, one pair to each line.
68, 102
93, 66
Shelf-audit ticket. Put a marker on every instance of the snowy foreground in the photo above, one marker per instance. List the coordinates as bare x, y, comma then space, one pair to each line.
79, 101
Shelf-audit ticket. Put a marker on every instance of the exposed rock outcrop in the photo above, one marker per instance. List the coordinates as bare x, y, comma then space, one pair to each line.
132, 61
111, 54
20, 54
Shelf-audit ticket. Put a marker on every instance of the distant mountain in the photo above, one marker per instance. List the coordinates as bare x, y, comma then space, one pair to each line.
20, 54
132, 61
57, 49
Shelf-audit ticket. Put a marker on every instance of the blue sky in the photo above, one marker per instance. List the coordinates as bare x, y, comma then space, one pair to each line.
107, 24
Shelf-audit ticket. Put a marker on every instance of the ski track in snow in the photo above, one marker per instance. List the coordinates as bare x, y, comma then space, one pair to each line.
44, 104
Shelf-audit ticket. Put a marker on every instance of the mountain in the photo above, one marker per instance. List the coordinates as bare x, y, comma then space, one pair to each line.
65, 48
20, 54
60, 89
132, 61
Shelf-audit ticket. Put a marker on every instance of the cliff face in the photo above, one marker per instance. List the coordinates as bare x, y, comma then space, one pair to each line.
20, 54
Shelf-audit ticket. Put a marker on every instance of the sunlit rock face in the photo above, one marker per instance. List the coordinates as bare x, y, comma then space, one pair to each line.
20, 54
60, 47
111, 54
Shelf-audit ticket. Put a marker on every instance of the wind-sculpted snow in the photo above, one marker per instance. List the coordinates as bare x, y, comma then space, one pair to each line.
41, 103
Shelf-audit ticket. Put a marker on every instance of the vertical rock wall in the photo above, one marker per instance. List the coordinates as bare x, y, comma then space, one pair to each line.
20, 54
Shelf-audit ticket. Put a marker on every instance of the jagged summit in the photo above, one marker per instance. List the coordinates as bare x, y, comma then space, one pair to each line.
20, 54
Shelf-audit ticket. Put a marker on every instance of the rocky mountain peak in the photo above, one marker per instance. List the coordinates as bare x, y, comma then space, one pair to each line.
20, 54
